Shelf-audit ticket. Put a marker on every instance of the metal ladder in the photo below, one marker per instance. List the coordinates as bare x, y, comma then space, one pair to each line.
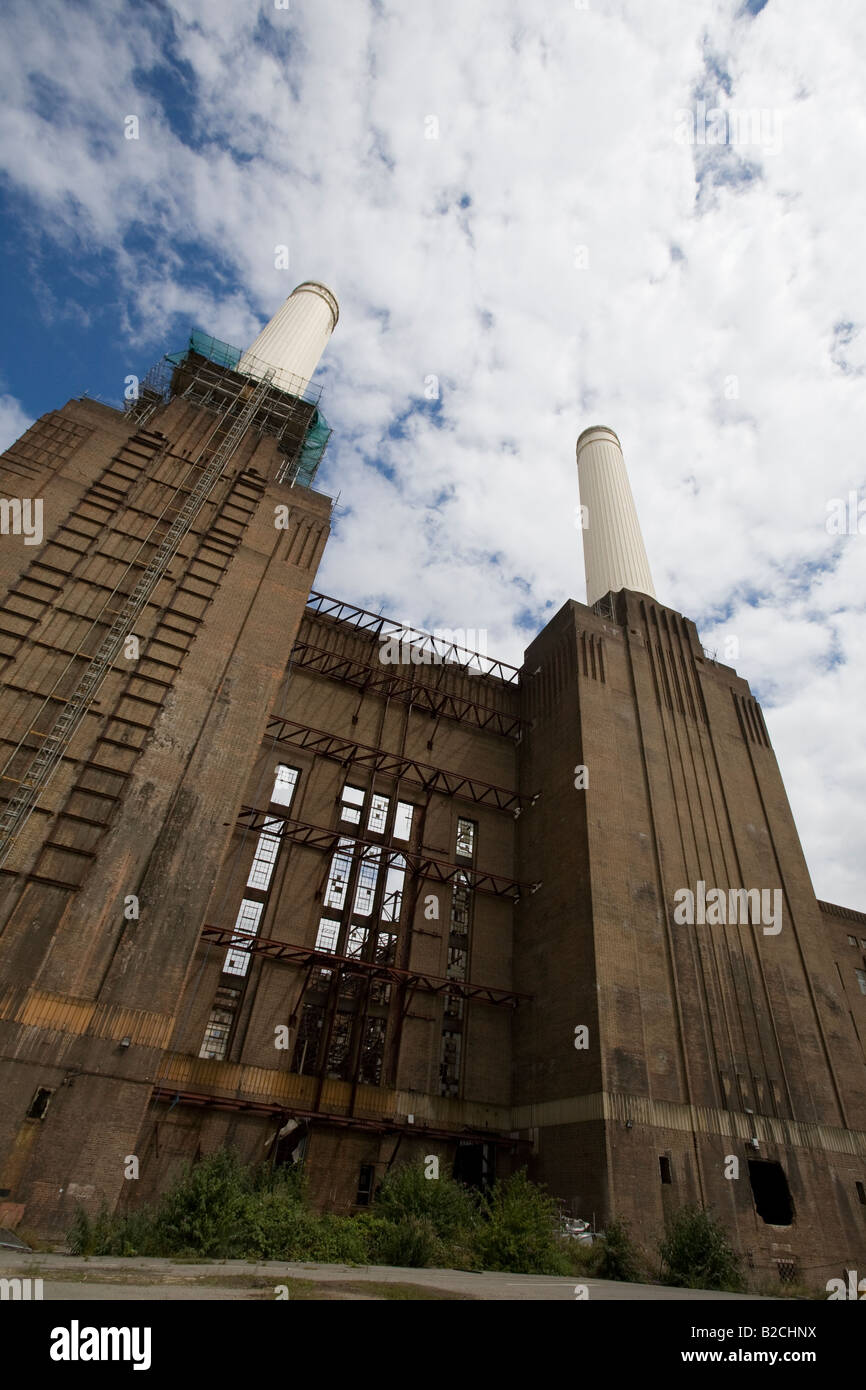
44, 762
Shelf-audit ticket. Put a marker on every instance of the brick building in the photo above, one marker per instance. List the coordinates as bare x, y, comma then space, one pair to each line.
291, 877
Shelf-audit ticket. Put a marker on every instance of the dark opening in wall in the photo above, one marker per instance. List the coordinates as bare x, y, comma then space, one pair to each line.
365, 1185
475, 1164
861, 1192
771, 1192
665, 1168
39, 1103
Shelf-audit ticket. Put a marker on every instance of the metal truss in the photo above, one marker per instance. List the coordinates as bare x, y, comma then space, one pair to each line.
439, 650
350, 965
399, 766
388, 682
439, 870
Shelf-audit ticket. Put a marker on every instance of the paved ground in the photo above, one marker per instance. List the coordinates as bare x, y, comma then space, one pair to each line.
70, 1278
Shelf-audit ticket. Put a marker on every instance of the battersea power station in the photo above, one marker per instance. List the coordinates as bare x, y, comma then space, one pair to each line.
283, 875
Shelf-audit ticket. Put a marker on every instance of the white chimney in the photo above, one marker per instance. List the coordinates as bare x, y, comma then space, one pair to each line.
295, 338
613, 549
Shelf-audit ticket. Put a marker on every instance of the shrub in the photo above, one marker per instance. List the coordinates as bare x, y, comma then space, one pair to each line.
203, 1213
518, 1232
696, 1254
406, 1194
410, 1242
618, 1256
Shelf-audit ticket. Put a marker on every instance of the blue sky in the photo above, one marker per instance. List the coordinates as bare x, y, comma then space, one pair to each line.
501, 198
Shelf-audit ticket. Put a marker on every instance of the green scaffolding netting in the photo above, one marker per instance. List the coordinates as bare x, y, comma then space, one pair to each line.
318, 430
312, 449
216, 351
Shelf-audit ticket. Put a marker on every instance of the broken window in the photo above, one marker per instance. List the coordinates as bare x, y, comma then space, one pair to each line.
403, 820
449, 1067
265, 856
456, 963
219, 1025
285, 781
356, 942
386, 948
309, 1035
353, 800
372, 1052
861, 1193
378, 814
368, 873
246, 926
771, 1192
461, 897
341, 1039
861, 980
465, 838
39, 1103
326, 939
665, 1169
338, 879
393, 897
453, 1005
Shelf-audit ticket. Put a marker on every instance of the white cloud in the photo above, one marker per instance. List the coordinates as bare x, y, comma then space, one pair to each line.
704, 328
14, 420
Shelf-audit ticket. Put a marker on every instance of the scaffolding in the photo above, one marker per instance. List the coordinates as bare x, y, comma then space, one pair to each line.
166, 536
205, 373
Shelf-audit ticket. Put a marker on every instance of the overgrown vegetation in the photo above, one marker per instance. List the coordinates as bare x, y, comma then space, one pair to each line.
696, 1254
220, 1209
618, 1257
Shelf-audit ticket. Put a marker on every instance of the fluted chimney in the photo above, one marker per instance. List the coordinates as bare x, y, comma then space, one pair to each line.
295, 338
613, 549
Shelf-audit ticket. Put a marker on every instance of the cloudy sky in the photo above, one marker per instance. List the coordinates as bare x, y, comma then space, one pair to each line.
563, 211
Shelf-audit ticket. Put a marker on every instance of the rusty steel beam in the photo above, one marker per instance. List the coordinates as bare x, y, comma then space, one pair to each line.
384, 680
347, 750
347, 965
438, 870
439, 649
319, 1117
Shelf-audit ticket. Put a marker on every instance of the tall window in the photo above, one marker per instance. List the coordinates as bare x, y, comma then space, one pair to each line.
246, 925
265, 856
285, 781
219, 1025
